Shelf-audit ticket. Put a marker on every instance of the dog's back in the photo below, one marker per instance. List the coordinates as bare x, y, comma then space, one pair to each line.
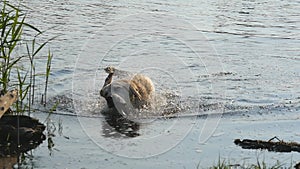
142, 90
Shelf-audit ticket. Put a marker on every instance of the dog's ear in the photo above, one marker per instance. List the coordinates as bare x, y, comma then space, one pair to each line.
134, 93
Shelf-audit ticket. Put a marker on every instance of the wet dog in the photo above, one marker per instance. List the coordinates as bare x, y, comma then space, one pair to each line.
124, 98
135, 92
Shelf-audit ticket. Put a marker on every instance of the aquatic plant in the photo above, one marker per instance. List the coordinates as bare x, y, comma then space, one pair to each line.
14, 71
260, 164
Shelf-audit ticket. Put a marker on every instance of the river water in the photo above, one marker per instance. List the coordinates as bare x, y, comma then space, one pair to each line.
255, 43
239, 59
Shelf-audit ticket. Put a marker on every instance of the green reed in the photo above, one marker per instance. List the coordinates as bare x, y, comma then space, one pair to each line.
48, 70
13, 73
260, 164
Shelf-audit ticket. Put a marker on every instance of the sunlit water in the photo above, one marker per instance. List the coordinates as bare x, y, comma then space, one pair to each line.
257, 45
236, 58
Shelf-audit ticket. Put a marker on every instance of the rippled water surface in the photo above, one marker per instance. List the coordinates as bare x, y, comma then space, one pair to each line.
236, 58
256, 43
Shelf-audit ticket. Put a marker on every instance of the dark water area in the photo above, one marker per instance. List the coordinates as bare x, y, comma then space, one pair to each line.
232, 68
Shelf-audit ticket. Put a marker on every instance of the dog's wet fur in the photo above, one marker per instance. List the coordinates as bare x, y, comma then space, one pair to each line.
123, 97
139, 90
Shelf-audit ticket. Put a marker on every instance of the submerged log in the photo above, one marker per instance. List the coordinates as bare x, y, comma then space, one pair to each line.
270, 145
19, 134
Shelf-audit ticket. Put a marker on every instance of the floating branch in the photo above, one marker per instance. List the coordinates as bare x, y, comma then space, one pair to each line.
270, 145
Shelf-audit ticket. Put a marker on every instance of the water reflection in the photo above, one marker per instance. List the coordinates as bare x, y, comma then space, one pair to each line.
116, 125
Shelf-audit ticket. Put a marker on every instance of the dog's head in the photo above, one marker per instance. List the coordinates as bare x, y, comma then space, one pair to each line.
127, 95
118, 95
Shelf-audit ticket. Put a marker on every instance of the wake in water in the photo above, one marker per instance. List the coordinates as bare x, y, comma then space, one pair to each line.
170, 103
133, 96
